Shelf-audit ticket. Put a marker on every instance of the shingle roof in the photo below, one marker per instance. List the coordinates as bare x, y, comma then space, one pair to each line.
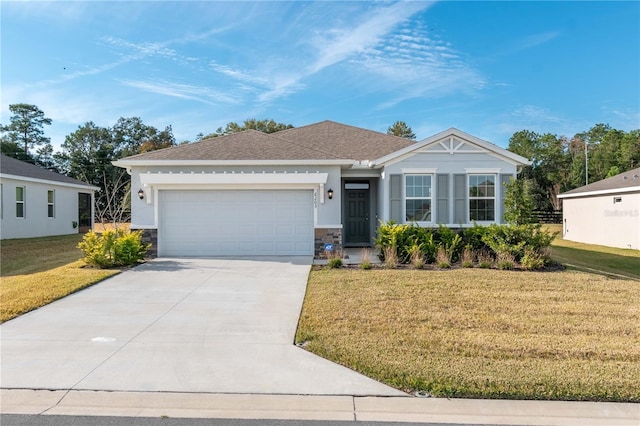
346, 141
326, 140
629, 179
12, 166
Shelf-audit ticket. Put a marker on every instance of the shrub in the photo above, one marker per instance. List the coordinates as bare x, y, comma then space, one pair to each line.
443, 258
532, 260
506, 261
401, 238
472, 237
468, 257
390, 257
450, 240
113, 248
334, 262
513, 239
417, 257
485, 260
366, 265
365, 259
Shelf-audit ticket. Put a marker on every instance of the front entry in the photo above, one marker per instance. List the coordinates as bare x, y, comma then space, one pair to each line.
357, 226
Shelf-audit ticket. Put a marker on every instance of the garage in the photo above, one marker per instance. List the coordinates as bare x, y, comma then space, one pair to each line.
235, 222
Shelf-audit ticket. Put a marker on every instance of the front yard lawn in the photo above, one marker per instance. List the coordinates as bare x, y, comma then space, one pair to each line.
566, 335
37, 271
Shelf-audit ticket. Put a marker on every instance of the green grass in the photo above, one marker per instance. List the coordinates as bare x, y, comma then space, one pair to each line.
608, 261
29, 255
564, 335
37, 271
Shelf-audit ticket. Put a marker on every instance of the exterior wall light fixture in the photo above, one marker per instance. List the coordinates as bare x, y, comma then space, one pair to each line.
330, 193
141, 193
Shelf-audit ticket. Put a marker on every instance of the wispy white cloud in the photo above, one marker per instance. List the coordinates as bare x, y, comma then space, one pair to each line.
340, 43
528, 42
533, 113
201, 94
413, 65
238, 75
141, 50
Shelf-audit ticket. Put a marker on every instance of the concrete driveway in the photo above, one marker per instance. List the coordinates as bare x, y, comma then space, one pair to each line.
178, 325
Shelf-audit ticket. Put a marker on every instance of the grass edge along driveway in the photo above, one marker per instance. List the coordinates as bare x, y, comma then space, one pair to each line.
38, 271
567, 335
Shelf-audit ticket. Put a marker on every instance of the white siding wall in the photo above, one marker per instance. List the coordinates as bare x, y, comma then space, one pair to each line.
597, 220
328, 213
36, 222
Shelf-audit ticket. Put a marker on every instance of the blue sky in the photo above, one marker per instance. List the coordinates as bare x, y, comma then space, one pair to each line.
487, 68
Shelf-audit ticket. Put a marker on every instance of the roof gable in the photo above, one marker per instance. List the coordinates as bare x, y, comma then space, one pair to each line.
13, 167
629, 180
453, 141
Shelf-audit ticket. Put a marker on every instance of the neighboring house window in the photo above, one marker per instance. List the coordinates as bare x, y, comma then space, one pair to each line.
20, 190
482, 198
51, 203
417, 198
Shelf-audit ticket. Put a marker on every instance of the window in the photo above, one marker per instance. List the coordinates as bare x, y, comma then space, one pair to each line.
417, 198
50, 203
20, 190
482, 198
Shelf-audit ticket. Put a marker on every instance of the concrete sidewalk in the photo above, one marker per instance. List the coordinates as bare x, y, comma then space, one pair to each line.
315, 407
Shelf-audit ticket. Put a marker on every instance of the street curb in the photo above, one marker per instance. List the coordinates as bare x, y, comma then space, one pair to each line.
317, 407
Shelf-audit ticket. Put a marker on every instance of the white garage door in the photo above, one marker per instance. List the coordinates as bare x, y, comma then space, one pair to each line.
235, 223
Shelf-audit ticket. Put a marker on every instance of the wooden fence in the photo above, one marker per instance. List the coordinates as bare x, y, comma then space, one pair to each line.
546, 216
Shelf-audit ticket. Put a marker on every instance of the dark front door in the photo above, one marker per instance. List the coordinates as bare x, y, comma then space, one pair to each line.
357, 218
84, 211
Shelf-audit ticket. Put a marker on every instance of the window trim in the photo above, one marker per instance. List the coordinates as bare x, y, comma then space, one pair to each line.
51, 204
21, 202
430, 198
494, 198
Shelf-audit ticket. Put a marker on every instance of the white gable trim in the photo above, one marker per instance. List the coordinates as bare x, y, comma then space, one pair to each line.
449, 146
601, 192
49, 182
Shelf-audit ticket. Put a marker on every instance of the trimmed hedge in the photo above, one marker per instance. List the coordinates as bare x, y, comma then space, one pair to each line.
527, 245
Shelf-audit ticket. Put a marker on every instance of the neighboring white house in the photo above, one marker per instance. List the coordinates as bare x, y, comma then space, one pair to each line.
296, 191
36, 202
606, 212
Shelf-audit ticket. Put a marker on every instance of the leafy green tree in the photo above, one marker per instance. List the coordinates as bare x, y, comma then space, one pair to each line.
12, 149
629, 153
27, 126
560, 164
519, 202
549, 169
265, 126
400, 128
88, 154
131, 136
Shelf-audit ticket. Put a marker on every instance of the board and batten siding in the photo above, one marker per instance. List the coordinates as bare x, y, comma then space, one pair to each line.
450, 184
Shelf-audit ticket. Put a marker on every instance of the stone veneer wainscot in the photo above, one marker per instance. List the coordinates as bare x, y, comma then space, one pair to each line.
323, 236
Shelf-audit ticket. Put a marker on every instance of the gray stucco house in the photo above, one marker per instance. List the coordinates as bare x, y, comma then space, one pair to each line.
606, 212
294, 191
36, 202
